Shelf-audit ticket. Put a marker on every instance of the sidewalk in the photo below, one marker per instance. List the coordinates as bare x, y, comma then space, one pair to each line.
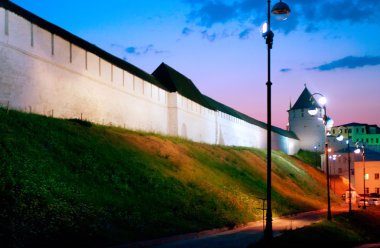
238, 237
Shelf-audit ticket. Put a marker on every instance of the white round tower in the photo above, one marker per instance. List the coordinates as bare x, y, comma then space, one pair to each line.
309, 129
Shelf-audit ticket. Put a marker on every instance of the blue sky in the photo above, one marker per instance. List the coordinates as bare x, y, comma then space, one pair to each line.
330, 45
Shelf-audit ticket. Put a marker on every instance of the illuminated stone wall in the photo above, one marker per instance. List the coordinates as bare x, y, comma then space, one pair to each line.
42, 73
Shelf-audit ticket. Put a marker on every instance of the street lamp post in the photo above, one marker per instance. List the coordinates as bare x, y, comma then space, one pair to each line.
282, 11
315, 156
340, 138
328, 123
349, 177
364, 176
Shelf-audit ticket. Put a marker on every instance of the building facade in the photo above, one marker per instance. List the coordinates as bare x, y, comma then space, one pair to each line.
360, 132
371, 170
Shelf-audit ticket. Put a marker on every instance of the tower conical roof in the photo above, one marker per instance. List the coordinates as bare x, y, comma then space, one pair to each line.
305, 101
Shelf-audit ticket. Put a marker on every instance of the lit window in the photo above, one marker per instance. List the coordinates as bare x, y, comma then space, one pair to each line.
366, 176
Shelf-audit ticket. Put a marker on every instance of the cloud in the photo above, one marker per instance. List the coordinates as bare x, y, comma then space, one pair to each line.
187, 31
311, 16
350, 62
210, 37
245, 33
142, 50
212, 12
285, 70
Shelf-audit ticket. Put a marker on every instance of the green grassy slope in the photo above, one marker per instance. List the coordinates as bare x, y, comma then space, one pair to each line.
78, 184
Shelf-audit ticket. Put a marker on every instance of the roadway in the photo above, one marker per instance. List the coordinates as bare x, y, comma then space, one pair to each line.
239, 237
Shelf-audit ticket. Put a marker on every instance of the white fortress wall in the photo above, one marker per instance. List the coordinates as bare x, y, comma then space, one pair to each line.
287, 145
43, 73
192, 120
237, 132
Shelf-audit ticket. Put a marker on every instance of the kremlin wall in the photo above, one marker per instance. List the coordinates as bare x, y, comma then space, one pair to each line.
47, 70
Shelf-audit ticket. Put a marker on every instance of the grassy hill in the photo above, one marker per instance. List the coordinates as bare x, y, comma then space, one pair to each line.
72, 183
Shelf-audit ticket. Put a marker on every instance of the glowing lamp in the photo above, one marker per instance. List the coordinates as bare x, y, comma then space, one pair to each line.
357, 151
264, 28
281, 11
340, 137
322, 100
329, 122
312, 111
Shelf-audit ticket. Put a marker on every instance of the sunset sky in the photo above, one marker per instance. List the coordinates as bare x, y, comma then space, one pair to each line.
332, 46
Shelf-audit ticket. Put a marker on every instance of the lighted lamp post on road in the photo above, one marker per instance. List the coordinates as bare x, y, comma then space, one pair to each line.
340, 138
281, 10
328, 123
357, 151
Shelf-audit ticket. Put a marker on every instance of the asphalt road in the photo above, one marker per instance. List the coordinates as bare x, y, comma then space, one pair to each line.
237, 238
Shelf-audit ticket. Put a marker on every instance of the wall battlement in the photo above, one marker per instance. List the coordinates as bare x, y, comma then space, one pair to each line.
46, 70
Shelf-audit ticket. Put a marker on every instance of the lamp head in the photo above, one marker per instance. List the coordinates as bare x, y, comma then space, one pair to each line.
313, 111
329, 122
281, 11
264, 29
322, 100
340, 137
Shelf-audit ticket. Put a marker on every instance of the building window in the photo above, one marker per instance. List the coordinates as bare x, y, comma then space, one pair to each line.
377, 191
366, 140
333, 131
376, 176
366, 177
357, 130
377, 140
371, 140
366, 191
352, 172
362, 130
349, 130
